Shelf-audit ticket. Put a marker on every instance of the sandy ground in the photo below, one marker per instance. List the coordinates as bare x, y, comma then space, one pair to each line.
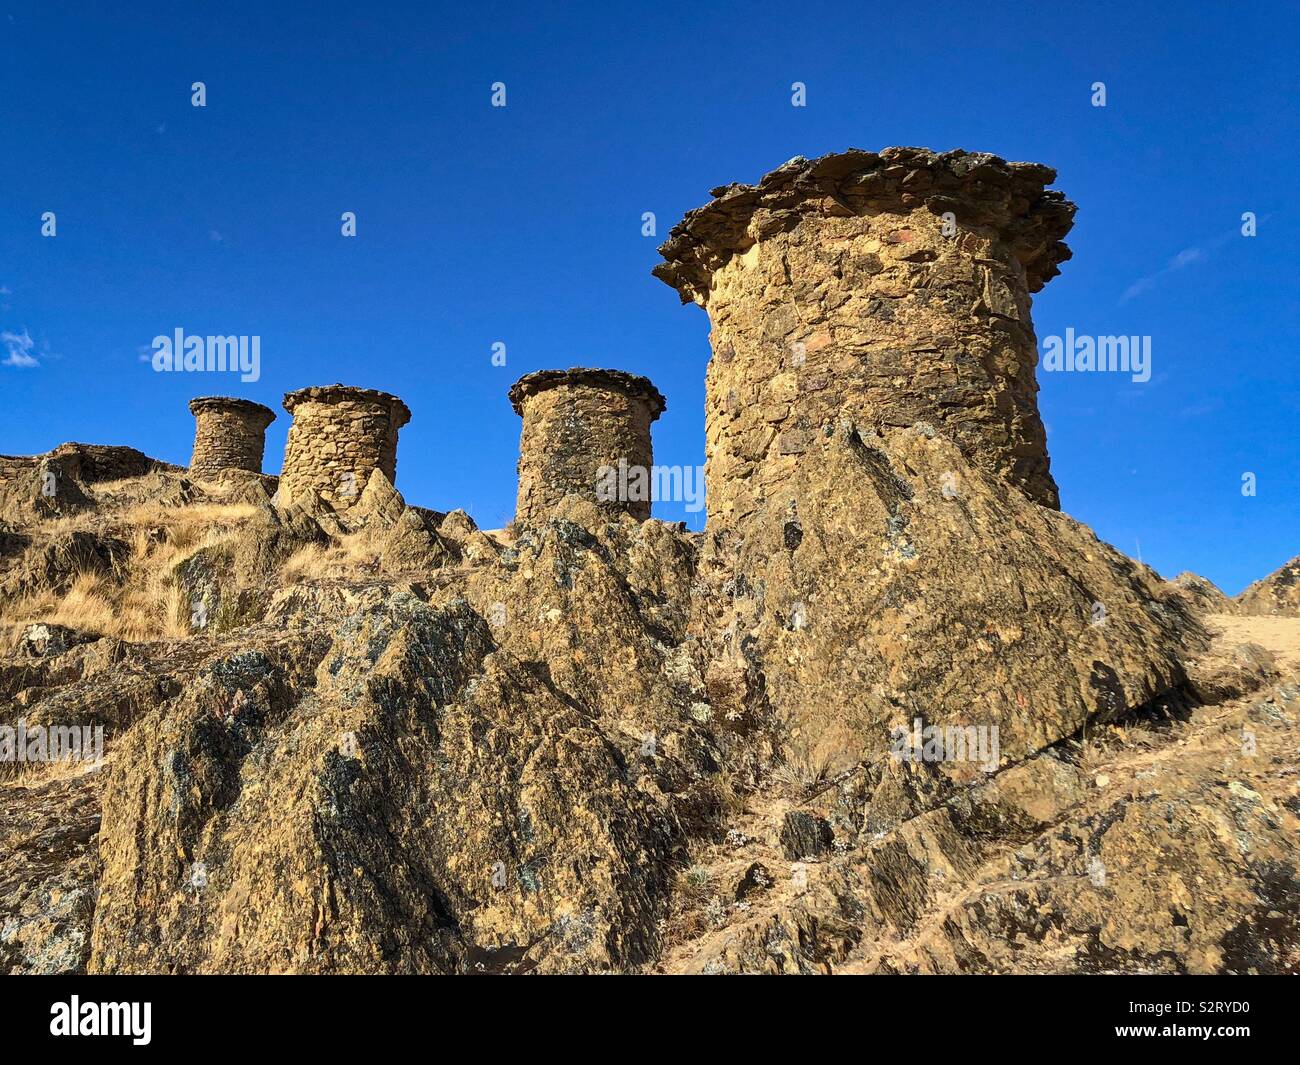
1281, 636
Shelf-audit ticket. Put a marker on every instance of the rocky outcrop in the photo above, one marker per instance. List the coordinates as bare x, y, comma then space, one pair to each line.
614, 745
1278, 594
930, 591
49, 869
54, 563
411, 795
227, 584
891, 712
1200, 596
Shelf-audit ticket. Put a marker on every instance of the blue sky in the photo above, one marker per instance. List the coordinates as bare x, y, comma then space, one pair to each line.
522, 224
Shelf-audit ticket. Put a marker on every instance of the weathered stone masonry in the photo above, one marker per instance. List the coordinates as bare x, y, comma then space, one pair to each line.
833, 289
575, 422
229, 434
339, 435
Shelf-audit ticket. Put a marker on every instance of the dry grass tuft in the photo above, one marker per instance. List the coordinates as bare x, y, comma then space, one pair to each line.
801, 776
316, 563
140, 601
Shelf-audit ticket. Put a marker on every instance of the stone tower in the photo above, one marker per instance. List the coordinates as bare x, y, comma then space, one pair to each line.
890, 287
229, 434
339, 435
579, 425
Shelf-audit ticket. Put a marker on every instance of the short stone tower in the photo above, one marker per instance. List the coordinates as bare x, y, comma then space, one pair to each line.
891, 287
581, 428
339, 435
229, 434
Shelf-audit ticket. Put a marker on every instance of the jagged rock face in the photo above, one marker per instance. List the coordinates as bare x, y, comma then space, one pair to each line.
1202, 597
88, 463
1174, 854
41, 641
224, 585
229, 434
401, 744
404, 538
469, 752
901, 581
55, 563
838, 287
1277, 594
45, 490
427, 802
48, 875
63, 482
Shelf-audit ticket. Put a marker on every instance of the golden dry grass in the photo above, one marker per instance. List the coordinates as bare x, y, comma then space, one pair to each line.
181, 522
316, 562
142, 600
99, 605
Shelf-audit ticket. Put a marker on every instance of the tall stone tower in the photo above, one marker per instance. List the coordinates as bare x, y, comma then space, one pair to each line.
229, 434
892, 287
580, 424
338, 437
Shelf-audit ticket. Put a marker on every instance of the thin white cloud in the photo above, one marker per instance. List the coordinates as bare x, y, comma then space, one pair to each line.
1145, 284
18, 350
1185, 258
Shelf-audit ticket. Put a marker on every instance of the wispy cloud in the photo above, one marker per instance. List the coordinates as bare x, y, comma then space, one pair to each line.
1180, 261
1197, 253
18, 350
216, 236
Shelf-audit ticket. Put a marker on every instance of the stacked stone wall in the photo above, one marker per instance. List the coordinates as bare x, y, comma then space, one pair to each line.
577, 423
339, 435
890, 288
229, 435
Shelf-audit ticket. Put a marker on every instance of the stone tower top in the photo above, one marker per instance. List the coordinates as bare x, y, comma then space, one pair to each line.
632, 385
981, 190
253, 412
339, 436
229, 435
399, 412
580, 427
886, 287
